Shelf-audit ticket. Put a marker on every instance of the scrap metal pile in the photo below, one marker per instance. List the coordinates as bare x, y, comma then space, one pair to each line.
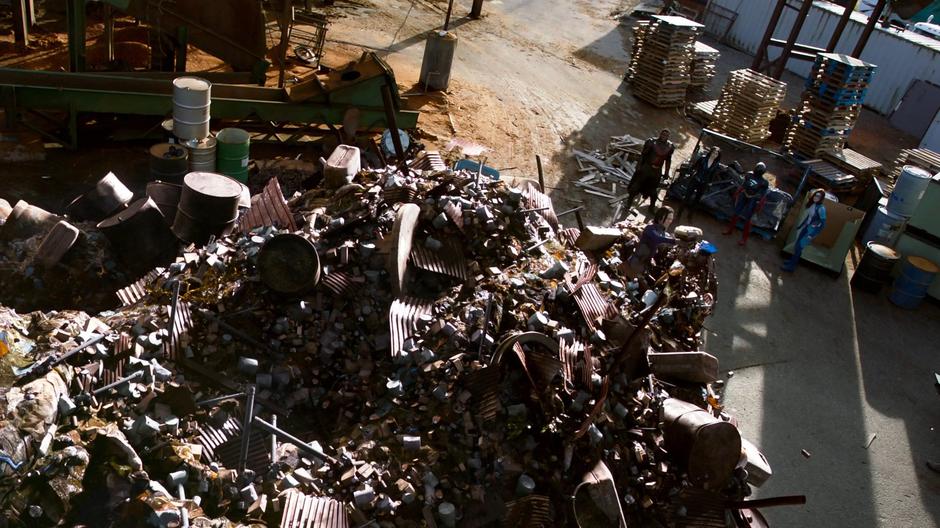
424, 349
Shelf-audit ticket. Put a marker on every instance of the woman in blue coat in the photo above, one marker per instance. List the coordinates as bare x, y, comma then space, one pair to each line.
811, 224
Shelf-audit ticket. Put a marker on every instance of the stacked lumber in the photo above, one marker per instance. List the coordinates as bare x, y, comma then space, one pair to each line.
704, 65
747, 104
854, 163
831, 104
923, 158
702, 111
639, 35
663, 62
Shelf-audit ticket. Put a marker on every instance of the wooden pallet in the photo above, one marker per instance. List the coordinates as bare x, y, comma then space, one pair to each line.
661, 62
748, 102
923, 158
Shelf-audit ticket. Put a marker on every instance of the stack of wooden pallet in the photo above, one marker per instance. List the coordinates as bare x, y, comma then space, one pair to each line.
832, 101
704, 65
748, 102
661, 74
923, 158
854, 163
639, 35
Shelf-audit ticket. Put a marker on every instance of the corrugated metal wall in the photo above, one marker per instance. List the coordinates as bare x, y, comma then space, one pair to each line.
901, 59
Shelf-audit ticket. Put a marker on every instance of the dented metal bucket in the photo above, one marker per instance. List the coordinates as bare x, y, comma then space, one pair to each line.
168, 162
25, 221
140, 235
167, 197
109, 195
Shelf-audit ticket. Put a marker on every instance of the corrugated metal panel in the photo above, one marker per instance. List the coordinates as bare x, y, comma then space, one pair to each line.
593, 305
455, 213
268, 208
430, 160
449, 260
337, 282
402, 315
182, 324
920, 55
540, 367
229, 452
569, 236
529, 512
535, 199
304, 511
210, 438
128, 295
577, 363
484, 384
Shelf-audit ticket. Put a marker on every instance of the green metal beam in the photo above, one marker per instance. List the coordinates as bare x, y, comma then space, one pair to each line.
75, 16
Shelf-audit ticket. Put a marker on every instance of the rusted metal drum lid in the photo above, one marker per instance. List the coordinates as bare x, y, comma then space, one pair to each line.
289, 264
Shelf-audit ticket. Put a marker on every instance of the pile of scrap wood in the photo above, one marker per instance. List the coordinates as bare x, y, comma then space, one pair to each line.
923, 158
604, 173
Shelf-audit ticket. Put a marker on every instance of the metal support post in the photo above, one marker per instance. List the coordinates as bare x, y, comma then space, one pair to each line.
182, 47
450, 9
761, 54
109, 31
791, 40
75, 14
246, 429
840, 26
869, 27
20, 22
476, 11
393, 125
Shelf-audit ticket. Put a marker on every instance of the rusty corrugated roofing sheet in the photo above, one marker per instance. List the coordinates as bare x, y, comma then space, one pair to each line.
449, 260
569, 236
402, 316
533, 511
429, 160
455, 212
304, 511
268, 208
337, 282
577, 363
535, 199
182, 324
210, 438
128, 295
484, 384
593, 305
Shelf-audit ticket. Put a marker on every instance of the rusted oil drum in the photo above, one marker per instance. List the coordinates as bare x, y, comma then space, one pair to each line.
168, 162
167, 197
139, 235
289, 264
208, 206
109, 195
708, 447
25, 221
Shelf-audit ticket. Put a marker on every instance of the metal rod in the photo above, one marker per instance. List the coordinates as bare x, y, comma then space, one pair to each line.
392, 123
49, 362
869, 27
274, 441
174, 307
537, 245
569, 211
486, 323
450, 9
758, 62
840, 26
118, 383
535, 210
212, 401
538, 164
577, 216
476, 178
287, 437
246, 429
20, 22
109, 31
791, 40
476, 10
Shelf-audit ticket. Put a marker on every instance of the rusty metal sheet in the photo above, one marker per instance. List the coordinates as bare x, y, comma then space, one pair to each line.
593, 305
399, 195
595, 411
402, 316
304, 511
585, 273
210, 438
268, 208
485, 386
540, 367
455, 213
228, 452
449, 260
533, 511
535, 199
337, 282
569, 236
129, 295
430, 160
577, 363
182, 324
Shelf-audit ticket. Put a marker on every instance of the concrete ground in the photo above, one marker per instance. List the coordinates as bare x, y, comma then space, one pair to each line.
817, 365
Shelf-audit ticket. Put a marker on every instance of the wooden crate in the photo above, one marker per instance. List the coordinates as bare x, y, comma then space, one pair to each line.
748, 102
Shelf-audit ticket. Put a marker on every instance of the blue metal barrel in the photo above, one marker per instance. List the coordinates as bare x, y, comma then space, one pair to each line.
910, 287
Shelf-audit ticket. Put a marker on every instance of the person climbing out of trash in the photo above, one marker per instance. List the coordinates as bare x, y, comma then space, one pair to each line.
812, 222
655, 162
701, 175
749, 199
654, 237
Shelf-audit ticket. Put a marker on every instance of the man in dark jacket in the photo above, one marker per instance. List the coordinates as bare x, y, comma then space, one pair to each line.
655, 162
